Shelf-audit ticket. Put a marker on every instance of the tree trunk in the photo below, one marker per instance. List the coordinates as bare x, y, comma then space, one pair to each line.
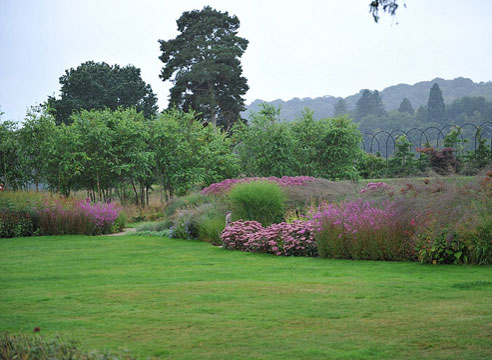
135, 191
213, 103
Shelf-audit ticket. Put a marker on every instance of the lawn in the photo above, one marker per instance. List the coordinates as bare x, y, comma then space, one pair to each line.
189, 300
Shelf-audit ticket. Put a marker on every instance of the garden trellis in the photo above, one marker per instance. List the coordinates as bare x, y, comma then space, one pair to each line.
468, 136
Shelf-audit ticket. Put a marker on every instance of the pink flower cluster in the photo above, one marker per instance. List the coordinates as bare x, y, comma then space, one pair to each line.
102, 214
225, 185
353, 216
363, 230
287, 239
376, 186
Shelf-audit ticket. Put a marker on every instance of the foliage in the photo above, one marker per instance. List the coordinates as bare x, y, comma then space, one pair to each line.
436, 110
39, 348
203, 63
403, 162
36, 138
97, 86
11, 174
441, 161
285, 181
210, 228
16, 224
27, 214
406, 106
283, 239
370, 103
372, 166
363, 230
340, 108
266, 147
443, 247
260, 201
188, 154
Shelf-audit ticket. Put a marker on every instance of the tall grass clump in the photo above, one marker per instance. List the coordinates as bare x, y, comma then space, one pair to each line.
210, 228
261, 201
363, 230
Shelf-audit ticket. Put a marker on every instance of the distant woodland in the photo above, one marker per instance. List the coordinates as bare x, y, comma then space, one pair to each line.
402, 106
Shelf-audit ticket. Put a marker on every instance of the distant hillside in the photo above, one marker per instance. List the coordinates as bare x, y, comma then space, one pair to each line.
392, 97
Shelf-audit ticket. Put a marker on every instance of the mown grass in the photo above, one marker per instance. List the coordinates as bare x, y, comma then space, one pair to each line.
189, 300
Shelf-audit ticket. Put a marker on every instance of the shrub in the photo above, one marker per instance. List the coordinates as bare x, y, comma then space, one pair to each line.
259, 200
210, 228
364, 230
37, 348
237, 234
119, 223
283, 239
183, 202
16, 224
155, 226
441, 247
478, 240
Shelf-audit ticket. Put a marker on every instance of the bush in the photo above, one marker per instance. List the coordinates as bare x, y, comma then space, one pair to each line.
183, 202
119, 223
441, 247
37, 348
210, 228
478, 240
16, 224
364, 231
259, 200
155, 226
284, 239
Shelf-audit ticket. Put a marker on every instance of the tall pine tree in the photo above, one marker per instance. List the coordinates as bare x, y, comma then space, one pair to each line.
436, 110
203, 63
370, 103
406, 106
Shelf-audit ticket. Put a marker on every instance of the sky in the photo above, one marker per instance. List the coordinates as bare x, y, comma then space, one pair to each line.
307, 48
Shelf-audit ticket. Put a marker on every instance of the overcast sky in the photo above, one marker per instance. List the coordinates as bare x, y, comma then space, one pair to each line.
306, 48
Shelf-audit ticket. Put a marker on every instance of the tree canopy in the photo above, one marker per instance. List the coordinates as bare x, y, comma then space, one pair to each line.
95, 86
203, 63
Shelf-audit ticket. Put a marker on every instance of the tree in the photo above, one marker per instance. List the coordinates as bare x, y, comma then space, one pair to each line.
203, 63
406, 106
340, 108
436, 110
188, 154
266, 147
99, 85
36, 139
11, 174
370, 103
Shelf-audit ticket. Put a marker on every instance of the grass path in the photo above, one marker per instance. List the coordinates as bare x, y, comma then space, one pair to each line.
188, 300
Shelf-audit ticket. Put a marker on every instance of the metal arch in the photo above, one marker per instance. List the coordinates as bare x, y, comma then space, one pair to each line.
364, 142
476, 129
387, 137
484, 125
438, 133
394, 139
422, 132
377, 141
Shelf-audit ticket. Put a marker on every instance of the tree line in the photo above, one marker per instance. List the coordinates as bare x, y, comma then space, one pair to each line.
372, 117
